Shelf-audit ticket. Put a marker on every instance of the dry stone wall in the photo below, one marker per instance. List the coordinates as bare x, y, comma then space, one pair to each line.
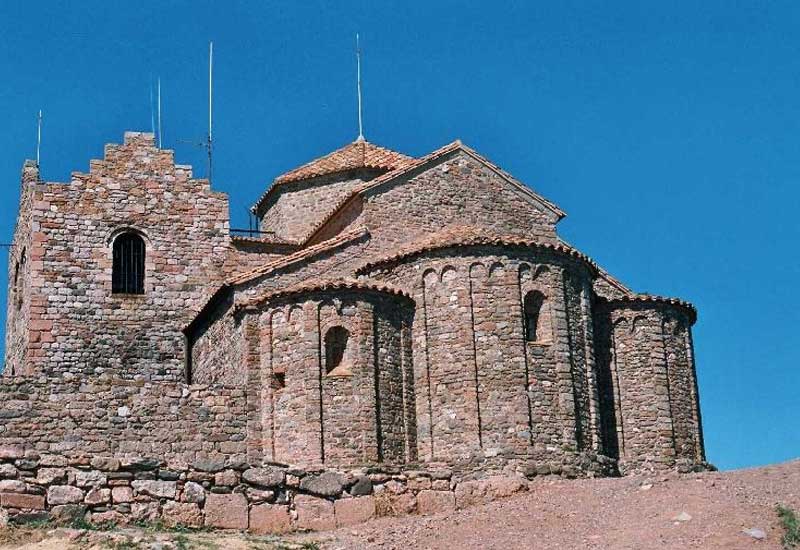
270, 499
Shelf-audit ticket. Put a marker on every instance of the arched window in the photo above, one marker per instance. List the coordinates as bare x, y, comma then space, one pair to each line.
532, 306
128, 264
336, 340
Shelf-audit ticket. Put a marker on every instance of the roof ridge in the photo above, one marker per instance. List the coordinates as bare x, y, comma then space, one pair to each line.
415, 163
303, 253
354, 155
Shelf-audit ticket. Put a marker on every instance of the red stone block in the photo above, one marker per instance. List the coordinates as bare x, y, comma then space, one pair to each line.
351, 511
266, 519
226, 511
18, 500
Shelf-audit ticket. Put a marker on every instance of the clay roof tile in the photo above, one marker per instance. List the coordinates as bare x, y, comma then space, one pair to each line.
358, 154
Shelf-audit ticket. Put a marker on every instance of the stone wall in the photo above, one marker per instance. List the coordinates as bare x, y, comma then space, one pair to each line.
486, 398
361, 412
293, 209
271, 499
72, 416
19, 331
647, 385
77, 324
457, 189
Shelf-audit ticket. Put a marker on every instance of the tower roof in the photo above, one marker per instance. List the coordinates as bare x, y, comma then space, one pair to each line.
358, 154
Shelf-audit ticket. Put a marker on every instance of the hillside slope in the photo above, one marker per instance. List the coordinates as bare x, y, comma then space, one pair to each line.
605, 514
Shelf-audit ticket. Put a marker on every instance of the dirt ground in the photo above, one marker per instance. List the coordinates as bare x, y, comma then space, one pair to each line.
605, 514
709, 510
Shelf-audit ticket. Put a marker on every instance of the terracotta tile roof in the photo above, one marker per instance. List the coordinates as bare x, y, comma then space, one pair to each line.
417, 163
209, 304
654, 299
318, 286
459, 236
358, 154
305, 253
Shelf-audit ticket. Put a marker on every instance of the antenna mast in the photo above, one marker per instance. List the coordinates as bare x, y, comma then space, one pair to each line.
210, 97
159, 112
358, 65
38, 136
152, 111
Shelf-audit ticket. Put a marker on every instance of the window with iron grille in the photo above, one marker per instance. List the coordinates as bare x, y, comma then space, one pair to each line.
128, 269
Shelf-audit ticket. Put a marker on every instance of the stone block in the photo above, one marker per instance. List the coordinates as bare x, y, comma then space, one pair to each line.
226, 478
48, 476
226, 511
64, 494
66, 514
90, 478
146, 512
267, 519
193, 492
105, 464
108, 517
363, 486
97, 495
155, 488
121, 495
209, 465
18, 500
13, 486
185, 514
8, 471
328, 484
11, 451
264, 477
435, 502
316, 514
351, 511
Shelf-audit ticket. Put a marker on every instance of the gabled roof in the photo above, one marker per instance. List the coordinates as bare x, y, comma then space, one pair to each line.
358, 154
415, 164
224, 290
301, 255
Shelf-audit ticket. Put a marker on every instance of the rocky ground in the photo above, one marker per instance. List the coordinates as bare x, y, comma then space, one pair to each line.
712, 510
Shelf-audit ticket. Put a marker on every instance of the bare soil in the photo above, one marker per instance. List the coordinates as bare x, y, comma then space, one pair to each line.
605, 514
709, 510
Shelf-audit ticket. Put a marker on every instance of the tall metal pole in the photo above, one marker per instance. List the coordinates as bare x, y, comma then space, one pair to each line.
159, 112
358, 65
152, 110
38, 136
210, 98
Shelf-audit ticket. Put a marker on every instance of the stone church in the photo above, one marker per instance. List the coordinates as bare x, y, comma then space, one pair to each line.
387, 310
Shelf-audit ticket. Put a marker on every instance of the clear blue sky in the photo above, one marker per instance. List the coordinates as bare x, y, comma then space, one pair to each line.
668, 131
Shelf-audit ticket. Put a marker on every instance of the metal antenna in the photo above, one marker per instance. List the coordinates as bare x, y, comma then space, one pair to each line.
152, 110
159, 112
210, 97
358, 65
38, 136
